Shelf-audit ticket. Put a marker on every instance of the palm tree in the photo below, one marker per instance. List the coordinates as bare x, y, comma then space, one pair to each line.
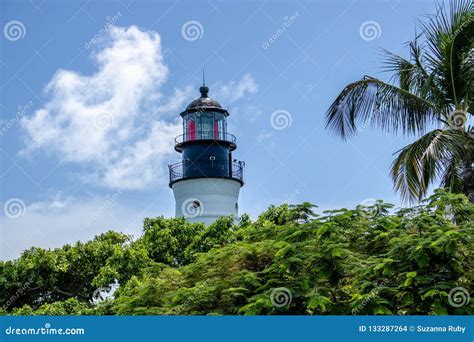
429, 94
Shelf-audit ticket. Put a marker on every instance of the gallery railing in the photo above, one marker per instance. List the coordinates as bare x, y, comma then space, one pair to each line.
205, 135
206, 169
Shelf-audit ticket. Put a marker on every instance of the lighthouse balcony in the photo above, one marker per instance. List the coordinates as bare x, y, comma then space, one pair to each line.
200, 136
206, 169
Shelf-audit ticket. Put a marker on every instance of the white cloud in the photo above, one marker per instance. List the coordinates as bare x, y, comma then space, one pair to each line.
115, 123
233, 91
177, 101
138, 163
56, 202
103, 120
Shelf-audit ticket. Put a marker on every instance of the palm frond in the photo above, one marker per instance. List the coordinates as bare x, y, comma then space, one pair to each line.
405, 73
429, 88
449, 38
374, 102
412, 75
452, 177
428, 159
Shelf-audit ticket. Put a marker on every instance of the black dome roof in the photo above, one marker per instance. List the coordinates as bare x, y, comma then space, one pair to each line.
204, 100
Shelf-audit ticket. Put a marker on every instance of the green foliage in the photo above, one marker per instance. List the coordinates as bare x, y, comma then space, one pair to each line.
167, 239
368, 260
71, 306
288, 213
42, 276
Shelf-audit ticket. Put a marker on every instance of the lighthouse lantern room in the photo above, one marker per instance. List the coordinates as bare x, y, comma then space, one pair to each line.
206, 183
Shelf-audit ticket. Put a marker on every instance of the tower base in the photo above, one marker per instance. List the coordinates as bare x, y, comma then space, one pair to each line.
206, 199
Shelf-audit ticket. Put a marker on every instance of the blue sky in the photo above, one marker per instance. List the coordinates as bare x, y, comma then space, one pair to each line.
91, 92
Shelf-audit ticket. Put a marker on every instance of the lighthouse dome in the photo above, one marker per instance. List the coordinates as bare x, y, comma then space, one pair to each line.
204, 100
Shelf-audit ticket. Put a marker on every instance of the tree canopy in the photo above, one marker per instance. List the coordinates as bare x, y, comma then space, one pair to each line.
372, 259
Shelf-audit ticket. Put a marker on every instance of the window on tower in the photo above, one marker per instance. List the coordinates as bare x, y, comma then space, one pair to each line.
207, 125
189, 128
196, 204
219, 126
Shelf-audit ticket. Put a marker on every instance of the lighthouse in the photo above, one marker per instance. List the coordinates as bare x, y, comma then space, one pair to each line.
207, 181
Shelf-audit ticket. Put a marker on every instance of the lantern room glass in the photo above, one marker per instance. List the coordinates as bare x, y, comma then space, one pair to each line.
204, 125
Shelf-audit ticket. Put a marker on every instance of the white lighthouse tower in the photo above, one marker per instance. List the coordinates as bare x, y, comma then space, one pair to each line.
206, 183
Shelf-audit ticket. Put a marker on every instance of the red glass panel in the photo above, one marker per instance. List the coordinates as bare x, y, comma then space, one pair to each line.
192, 130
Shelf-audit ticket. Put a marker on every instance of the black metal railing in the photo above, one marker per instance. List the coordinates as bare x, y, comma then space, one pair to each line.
206, 169
205, 135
